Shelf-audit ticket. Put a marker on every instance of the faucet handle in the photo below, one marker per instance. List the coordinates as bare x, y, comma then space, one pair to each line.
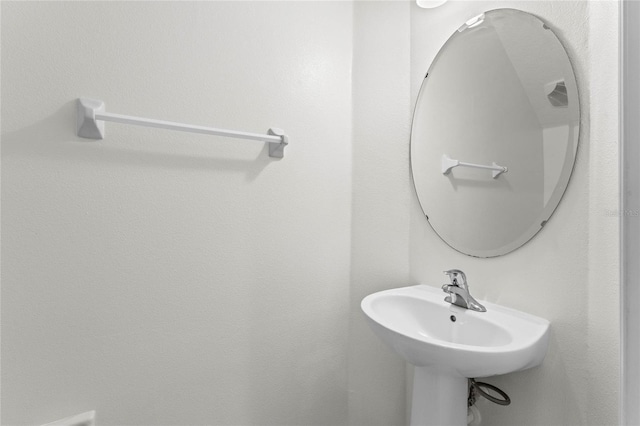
453, 276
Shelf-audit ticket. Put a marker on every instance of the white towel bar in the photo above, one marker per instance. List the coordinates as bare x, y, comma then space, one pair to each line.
449, 163
91, 117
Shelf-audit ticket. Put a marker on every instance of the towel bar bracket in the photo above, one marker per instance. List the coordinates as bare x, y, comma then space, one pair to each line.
276, 149
88, 126
91, 116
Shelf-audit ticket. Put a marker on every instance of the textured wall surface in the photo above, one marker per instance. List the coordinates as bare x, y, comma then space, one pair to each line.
630, 232
568, 273
381, 194
170, 278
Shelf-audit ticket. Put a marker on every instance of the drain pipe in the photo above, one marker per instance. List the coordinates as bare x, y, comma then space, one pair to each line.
474, 418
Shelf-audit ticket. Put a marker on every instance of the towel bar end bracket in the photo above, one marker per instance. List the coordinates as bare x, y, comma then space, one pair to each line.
497, 173
276, 149
87, 125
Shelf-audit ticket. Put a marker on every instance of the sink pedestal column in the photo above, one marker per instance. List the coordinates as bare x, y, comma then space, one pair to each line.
439, 398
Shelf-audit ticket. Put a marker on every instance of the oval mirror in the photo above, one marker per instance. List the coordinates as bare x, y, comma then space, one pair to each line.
495, 133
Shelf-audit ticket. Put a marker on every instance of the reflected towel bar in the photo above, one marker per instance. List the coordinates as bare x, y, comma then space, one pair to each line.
91, 118
449, 163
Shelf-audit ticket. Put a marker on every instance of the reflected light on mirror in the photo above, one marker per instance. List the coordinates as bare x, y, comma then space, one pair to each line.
430, 4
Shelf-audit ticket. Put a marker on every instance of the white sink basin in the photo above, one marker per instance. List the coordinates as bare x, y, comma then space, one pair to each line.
449, 344
416, 322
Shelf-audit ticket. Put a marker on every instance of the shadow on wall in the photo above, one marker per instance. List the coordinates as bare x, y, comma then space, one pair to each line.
54, 138
527, 400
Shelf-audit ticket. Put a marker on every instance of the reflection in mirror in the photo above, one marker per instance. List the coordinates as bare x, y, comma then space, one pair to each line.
495, 133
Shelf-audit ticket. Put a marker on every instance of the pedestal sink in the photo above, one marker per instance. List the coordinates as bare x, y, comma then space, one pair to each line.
448, 344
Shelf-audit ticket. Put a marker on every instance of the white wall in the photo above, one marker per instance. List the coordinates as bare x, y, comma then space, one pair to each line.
381, 199
165, 278
568, 273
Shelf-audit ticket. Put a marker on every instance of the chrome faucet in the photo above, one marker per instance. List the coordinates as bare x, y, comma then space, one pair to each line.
458, 291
